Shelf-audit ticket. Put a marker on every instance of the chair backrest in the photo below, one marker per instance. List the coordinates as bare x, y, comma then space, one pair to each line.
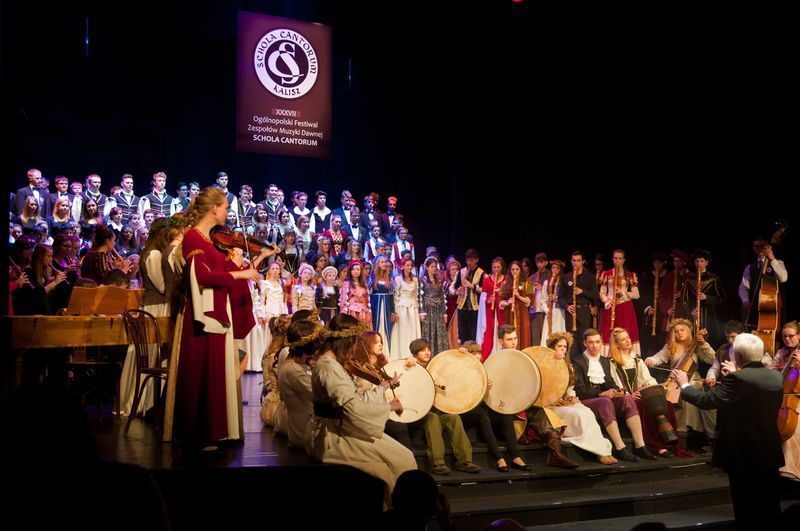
143, 333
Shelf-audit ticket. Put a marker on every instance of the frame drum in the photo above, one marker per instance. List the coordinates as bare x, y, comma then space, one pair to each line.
460, 381
414, 391
516, 381
555, 375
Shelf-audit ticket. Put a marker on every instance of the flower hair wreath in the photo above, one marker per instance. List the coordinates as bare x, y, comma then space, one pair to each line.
353, 331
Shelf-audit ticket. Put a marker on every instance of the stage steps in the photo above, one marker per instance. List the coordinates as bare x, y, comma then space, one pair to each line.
535, 455
552, 496
710, 517
590, 495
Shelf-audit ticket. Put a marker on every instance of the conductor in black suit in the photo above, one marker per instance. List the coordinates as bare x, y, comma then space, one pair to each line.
747, 444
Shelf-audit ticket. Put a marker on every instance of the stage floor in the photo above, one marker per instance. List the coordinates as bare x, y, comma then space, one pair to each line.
265, 470
142, 446
248, 485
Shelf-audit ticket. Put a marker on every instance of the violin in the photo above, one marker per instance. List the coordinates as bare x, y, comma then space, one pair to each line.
226, 239
370, 373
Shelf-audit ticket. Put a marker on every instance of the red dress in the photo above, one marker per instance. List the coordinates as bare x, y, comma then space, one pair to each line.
518, 315
208, 400
624, 311
494, 317
338, 241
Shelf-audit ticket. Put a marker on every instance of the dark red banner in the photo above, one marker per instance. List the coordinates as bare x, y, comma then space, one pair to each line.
284, 98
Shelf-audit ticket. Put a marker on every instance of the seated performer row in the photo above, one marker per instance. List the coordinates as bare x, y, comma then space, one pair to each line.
572, 419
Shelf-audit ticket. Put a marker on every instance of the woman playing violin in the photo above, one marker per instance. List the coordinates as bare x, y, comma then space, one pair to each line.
218, 310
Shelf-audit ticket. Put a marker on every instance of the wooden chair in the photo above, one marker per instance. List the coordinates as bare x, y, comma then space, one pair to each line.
83, 361
143, 333
97, 365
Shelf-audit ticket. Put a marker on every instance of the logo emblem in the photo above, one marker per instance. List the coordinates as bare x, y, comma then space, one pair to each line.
286, 63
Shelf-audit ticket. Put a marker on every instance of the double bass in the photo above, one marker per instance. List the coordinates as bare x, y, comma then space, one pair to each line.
766, 297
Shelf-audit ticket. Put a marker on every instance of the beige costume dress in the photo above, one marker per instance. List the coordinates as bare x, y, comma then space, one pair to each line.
407, 327
582, 428
295, 405
303, 297
689, 415
273, 304
269, 410
356, 438
155, 302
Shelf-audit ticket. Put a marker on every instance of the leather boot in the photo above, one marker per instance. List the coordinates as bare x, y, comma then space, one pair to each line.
552, 440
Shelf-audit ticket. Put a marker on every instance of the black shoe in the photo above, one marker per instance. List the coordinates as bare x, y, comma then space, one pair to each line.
666, 454
625, 454
502, 468
524, 467
644, 453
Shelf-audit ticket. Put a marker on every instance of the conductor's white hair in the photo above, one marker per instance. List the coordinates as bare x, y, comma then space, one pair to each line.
749, 347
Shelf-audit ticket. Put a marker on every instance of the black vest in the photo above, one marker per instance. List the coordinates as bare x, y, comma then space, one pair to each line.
101, 201
320, 223
158, 205
246, 214
127, 209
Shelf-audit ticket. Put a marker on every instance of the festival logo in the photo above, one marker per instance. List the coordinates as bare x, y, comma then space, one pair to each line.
286, 63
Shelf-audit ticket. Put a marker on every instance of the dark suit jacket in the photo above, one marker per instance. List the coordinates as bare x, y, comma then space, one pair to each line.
584, 389
586, 282
22, 195
747, 403
362, 234
51, 202
381, 218
340, 212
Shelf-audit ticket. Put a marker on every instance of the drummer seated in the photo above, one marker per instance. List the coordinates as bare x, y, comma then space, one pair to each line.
436, 422
595, 387
487, 420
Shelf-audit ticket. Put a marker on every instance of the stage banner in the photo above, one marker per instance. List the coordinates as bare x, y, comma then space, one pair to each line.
283, 104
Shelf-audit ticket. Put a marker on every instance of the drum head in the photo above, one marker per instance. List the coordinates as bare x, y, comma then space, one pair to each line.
555, 374
516, 381
463, 379
415, 391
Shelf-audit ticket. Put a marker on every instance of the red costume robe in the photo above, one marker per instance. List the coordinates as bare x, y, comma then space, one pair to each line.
517, 314
218, 310
624, 310
494, 317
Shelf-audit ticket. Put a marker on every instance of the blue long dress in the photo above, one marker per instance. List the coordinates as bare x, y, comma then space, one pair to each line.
382, 301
